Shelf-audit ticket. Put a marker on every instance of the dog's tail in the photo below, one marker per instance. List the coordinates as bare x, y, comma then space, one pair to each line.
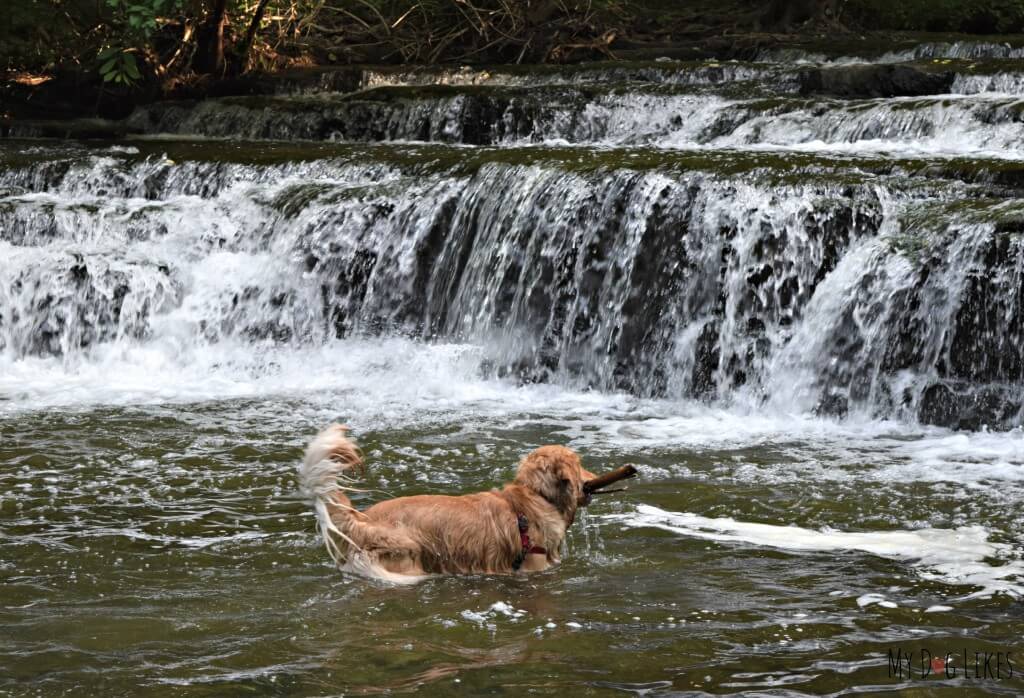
329, 459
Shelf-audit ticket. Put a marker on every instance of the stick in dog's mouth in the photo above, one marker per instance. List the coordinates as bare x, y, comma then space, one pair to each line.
597, 485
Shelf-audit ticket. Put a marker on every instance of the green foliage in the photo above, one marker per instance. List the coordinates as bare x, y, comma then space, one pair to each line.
133, 25
126, 36
139, 18
119, 66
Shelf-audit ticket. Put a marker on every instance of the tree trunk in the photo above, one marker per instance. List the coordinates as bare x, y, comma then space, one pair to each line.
250, 35
210, 41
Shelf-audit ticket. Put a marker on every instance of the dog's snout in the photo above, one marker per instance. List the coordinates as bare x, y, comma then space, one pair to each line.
584, 497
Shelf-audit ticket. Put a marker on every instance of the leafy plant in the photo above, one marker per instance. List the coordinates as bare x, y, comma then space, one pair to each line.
142, 16
119, 65
135, 22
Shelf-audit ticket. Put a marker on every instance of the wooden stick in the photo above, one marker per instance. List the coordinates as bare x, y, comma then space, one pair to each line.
592, 486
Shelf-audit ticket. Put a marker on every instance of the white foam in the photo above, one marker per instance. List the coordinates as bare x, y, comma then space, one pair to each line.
486, 617
170, 372
372, 383
868, 599
807, 447
674, 425
953, 556
386, 383
948, 125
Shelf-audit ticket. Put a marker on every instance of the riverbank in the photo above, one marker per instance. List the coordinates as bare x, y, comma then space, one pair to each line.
72, 87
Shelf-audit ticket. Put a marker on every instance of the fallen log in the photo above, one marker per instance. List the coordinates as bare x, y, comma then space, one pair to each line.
598, 483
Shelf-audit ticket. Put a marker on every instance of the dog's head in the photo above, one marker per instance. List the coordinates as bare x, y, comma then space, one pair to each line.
556, 474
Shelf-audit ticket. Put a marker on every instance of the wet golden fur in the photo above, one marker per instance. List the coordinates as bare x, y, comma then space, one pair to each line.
407, 538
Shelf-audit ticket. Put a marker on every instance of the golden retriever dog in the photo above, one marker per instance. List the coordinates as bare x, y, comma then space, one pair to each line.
519, 528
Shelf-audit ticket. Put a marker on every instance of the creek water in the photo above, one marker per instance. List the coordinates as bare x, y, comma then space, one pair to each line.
801, 316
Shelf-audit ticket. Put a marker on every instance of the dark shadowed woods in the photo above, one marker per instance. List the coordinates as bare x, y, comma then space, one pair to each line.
106, 55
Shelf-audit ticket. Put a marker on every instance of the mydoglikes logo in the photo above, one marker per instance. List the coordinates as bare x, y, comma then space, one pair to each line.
962, 663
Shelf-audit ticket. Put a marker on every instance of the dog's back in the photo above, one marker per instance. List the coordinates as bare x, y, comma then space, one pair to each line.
465, 534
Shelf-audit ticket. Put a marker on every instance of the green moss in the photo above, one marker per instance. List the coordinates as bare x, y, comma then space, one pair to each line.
142, 212
922, 225
913, 246
964, 66
972, 179
292, 200
87, 208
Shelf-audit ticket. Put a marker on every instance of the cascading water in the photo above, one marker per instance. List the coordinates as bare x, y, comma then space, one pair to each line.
656, 280
968, 124
802, 314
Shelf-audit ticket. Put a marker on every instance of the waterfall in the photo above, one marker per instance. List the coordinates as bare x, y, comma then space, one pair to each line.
979, 120
680, 284
691, 231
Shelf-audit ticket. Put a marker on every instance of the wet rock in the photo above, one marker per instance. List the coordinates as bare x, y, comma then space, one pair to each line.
869, 80
72, 129
987, 343
1011, 226
833, 404
962, 406
706, 360
938, 406
478, 117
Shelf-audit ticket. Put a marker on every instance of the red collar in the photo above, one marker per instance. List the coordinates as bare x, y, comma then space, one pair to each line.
524, 539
